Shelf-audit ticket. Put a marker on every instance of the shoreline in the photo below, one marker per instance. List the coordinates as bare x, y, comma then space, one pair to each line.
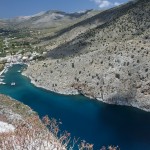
1, 72
43, 87
73, 91
6, 67
134, 105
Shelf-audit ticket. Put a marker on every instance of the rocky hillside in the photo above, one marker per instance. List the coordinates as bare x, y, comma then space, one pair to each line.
21, 128
130, 22
110, 62
12, 111
69, 33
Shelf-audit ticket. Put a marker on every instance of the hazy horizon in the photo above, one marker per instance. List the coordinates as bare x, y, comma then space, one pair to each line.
30, 7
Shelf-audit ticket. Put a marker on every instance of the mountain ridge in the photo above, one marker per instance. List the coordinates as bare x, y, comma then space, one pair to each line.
48, 17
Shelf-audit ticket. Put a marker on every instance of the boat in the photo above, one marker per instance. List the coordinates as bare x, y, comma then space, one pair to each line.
2, 83
1, 80
13, 83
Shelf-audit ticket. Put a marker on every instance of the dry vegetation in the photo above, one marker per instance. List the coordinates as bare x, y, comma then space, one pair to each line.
30, 136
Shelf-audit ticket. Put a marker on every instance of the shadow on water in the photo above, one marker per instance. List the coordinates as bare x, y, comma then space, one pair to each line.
134, 124
93, 121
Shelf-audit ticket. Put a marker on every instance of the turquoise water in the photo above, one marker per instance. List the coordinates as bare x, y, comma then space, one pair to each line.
92, 121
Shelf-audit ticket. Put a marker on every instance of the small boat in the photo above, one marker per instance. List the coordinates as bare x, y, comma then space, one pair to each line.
2, 83
13, 83
1, 80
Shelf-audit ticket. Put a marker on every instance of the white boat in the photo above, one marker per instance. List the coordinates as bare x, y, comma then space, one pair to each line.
13, 83
1, 80
2, 83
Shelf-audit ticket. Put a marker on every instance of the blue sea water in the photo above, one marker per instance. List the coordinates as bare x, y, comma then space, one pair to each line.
91, 120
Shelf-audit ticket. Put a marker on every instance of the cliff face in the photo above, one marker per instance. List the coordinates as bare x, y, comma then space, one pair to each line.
110, 62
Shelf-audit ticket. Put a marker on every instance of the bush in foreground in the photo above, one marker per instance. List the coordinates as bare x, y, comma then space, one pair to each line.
32, 135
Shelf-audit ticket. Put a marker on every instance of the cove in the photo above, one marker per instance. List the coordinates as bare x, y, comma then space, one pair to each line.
91, 120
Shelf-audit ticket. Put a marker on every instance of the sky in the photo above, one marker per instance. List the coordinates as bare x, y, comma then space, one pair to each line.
14, 8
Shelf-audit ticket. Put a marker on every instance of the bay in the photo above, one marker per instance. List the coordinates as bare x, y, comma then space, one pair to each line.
91, 120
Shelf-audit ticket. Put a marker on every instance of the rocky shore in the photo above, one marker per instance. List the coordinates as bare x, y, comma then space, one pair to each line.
117, 81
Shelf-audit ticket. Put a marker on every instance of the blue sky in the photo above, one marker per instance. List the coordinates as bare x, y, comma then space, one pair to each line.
13, 8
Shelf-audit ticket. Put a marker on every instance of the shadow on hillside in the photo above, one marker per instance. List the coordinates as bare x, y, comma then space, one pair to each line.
128, 124
98, 19
75, 47
67, 50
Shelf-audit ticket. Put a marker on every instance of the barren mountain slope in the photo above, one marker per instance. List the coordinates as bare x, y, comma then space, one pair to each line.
69, 33
110, 62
